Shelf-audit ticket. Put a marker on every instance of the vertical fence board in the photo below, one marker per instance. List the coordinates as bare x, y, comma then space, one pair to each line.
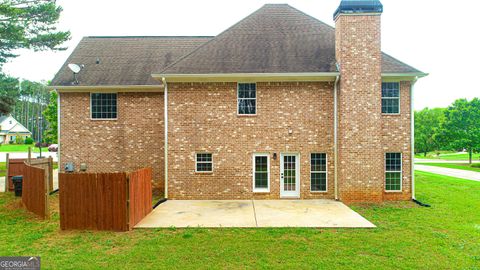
140, 192
34, 191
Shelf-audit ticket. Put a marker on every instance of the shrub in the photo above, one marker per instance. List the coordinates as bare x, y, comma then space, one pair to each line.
28, 140
476, 165
19, 140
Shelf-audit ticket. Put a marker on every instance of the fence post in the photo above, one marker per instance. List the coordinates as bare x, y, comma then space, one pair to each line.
50, 173
7, 183
128, 200
29, 155
47, 193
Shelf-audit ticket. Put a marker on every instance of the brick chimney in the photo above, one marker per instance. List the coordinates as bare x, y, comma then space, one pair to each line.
358, 54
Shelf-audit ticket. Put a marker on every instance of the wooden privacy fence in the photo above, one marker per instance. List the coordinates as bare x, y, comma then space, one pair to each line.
35, 190
16, 167
104, 201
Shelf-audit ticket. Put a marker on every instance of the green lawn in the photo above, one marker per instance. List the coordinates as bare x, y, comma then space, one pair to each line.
448, 155
460, 166
3, 168
20, 148
445, 236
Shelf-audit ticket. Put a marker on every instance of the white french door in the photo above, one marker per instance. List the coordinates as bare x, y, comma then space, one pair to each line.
289, 176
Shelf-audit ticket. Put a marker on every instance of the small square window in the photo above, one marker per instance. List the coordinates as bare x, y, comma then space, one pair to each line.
390, 98
204, 162
247, 99
103, 105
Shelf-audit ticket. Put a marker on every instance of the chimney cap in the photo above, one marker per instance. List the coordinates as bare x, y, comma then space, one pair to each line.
358, 6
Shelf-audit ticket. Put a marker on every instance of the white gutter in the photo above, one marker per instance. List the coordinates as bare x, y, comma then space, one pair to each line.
257, 77
335, 134
58, 133
107, 88
165, 124
412, 138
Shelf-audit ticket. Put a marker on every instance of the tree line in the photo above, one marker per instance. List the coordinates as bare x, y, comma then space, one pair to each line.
27, 24
454, 128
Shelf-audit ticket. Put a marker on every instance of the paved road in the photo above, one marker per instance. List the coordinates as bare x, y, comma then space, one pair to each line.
3, 155
469, 175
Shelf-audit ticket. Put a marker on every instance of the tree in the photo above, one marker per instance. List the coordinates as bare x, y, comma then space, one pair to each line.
8, 93
29, 24
51, 115
462, 125
427, 128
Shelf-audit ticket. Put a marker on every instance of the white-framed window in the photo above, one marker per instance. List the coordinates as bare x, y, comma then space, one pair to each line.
261, 173
204, 162
393, 172
390, 97
247, 99
103, 106
318, 172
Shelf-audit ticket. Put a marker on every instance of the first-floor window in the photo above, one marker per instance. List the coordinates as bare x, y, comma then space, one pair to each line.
261, 172
393, 171
103, 105
204, 162
318, 172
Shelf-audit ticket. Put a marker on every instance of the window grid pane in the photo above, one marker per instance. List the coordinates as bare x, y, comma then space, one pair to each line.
290, 173
261, 172
318, 172
104, 105
393, 171
204, 162
247, 95
391, 98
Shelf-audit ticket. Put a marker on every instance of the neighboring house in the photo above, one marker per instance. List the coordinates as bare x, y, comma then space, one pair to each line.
10, 129
280, 105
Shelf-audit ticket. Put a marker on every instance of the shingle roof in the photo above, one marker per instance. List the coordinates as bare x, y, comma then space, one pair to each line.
124, 60
277, 38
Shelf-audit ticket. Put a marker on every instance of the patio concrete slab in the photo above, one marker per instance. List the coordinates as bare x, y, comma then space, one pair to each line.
183, 213
258, 213
308, 213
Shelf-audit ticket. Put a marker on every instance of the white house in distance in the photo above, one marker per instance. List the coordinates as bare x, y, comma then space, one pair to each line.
10, 129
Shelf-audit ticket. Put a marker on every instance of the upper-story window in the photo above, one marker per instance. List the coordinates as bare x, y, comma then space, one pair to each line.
247, 98
103, 105
391, 98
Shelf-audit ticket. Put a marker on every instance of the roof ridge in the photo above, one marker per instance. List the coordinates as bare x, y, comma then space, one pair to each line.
242, 20
211, 40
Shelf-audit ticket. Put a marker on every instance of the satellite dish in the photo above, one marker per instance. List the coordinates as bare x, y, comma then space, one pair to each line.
75, 68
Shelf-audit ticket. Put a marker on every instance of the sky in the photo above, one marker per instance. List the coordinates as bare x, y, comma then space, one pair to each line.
438, 37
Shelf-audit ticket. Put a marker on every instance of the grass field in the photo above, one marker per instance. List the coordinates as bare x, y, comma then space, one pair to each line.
446, 155
460, 166
9, 148
445, 236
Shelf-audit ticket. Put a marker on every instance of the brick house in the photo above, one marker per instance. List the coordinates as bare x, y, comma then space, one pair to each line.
280, 105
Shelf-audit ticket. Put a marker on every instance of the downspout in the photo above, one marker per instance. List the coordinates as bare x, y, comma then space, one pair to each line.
58, 132
335, 134
165, 124
412, 138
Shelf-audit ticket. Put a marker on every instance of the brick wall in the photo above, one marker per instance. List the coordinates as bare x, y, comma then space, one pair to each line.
396, 138
133, 141
203, 118
365, 134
